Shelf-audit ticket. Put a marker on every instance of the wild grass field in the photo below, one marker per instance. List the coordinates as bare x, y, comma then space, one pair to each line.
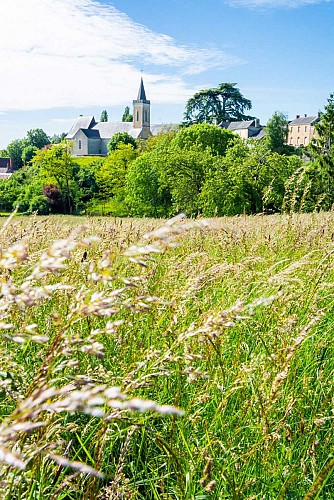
182, 359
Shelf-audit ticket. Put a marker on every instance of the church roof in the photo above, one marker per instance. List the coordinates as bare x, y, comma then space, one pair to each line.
83, 122
108, 129
141, 92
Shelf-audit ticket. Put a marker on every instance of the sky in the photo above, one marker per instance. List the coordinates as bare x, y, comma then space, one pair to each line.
63, 58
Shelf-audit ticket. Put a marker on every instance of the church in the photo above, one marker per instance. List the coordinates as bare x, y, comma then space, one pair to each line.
89, 137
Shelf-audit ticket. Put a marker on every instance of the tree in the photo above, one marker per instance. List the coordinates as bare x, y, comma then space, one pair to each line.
57, 138
57, 163
120, 137
127, 117
322, 153
204, 136
28, 153
277, 132
15, 149
110, 178
104, 116
38, 138
217, 105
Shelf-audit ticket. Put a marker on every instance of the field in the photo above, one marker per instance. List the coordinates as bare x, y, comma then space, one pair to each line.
146, 359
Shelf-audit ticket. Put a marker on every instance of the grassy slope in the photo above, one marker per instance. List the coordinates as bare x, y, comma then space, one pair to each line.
240, 339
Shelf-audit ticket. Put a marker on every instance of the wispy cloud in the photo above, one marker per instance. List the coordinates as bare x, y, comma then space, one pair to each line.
292, 4
62, 53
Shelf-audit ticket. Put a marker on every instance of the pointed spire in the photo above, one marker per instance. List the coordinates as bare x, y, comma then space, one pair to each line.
141, 92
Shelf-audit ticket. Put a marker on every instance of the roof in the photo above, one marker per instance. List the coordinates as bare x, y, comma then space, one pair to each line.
83, 122
91, 133
163, 127
304, 120
141, 92
240, 125
260, 134
108, 129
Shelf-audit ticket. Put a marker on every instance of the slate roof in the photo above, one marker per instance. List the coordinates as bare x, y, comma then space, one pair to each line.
260, 134
91, 133
108, 129
163, 127
83, 122
240, 125
141, 92
304, 120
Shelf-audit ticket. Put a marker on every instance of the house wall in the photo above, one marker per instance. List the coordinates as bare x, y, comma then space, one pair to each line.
94, 146
104, 146
300, 135
243, 132
76, 150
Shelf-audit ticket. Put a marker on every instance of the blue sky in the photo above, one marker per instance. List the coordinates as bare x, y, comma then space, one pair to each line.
62, 58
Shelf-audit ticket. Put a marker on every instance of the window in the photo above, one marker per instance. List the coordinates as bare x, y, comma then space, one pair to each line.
305, 141
79, 145
298, 140
298, 129
146, 116
305, 128
291, 129
137, 116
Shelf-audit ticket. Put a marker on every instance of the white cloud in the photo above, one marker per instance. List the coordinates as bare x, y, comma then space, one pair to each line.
60, 53
273, 3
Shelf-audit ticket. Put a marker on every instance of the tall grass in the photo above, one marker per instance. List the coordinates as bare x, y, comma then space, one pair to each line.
153, 360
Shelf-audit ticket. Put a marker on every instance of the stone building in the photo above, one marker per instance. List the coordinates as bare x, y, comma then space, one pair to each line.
89, 137
302, 130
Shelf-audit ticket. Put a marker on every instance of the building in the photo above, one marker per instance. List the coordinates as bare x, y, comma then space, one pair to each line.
6, 168
302, 130
246, 129
91, 138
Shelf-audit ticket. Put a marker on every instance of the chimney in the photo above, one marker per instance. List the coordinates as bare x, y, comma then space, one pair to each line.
305, 115
297, 116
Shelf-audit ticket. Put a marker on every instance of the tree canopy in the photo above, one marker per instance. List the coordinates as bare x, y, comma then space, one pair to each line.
120, 137
127, 117
277, 132
104, 116
224, 103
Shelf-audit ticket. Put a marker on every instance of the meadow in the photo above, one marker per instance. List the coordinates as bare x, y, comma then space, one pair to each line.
153, 359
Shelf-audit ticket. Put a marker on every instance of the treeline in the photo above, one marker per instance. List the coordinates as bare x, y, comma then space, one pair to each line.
201, 170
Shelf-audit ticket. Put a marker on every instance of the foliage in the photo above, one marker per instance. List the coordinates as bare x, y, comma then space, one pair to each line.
204, 136
277, 132
127, 117
57, 138
28, 153
104, 116
120, 137
110, 178
144, 194
224, 103
15, 150
38, 138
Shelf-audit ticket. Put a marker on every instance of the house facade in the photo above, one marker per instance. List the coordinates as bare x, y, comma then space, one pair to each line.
89, 137
302, 130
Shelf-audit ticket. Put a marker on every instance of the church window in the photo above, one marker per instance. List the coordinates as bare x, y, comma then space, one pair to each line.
79, 145
146, 116
137, 116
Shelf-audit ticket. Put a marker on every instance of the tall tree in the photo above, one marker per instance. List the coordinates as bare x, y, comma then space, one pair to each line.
118, 138
277, 132
225, 102
38, 138
104, 116
127, 117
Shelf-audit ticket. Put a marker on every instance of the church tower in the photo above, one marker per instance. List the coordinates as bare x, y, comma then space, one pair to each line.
141, 112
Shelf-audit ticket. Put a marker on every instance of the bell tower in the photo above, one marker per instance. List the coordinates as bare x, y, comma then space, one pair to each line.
141, 112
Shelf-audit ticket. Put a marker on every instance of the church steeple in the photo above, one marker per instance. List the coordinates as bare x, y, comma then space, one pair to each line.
141, 112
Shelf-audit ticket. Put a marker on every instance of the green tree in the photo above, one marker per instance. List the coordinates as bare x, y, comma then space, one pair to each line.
111, 177
204, 136
57, 138
28, 153
217, 105
120, 137
15, 149
144, 194
38, 138
57, 163
127, 117
277, 132
104, 116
